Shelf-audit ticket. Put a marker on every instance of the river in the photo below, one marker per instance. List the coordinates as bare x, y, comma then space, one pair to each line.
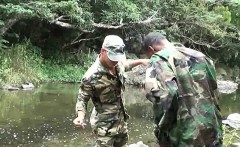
43, 116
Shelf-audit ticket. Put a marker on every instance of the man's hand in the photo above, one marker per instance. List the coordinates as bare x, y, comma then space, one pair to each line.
79, 122
144, 61
137, 62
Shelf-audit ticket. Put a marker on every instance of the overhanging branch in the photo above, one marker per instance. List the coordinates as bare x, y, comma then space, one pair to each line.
78, 41
64, 24
86, 39
59, 21
9, 23
107, 26
209, 45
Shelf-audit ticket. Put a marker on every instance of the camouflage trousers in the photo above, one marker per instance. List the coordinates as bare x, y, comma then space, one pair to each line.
119, 140
171, 131
116, 136
109, 134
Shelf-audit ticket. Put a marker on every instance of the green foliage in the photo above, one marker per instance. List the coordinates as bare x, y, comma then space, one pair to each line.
67, 11
224, 12
24, 63
60, 27
117, 11
66, 73
68, 68
19, 63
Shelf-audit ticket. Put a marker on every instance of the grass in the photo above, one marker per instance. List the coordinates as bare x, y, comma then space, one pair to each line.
24, 63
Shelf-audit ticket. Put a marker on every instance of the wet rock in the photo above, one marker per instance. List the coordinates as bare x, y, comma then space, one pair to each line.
27, 86
225, 72
237, 144
10, 88
138, 144
227, 86
233, 120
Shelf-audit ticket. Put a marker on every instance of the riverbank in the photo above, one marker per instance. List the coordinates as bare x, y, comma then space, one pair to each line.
25, 63
134, 78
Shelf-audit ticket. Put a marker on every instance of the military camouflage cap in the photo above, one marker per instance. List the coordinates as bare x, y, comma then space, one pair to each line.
115, 48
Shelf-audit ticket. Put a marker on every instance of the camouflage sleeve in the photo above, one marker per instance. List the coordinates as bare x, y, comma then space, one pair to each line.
85, 93
161, 88
127, 65
160, 83
212, 81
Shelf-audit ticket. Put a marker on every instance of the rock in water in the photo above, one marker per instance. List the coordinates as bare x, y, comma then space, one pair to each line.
237, 144
138, 144
27, 86
233, 120
227, 86
10, 88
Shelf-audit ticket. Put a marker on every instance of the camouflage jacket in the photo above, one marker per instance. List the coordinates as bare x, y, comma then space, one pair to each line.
181, 84
105, 90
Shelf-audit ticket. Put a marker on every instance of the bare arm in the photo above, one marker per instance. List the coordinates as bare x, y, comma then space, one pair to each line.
139, 62
129, 64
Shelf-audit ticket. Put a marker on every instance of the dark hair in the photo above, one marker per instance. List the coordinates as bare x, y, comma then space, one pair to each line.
152, 38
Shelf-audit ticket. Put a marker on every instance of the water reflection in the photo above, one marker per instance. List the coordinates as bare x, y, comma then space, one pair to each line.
43, 117
230, 103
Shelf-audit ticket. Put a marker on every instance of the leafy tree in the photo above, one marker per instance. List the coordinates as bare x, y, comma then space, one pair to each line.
63, 27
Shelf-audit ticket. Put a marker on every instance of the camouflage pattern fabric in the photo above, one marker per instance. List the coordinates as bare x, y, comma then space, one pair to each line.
105, 90
181, 84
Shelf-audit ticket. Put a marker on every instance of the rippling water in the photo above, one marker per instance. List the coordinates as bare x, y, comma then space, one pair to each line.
43, 117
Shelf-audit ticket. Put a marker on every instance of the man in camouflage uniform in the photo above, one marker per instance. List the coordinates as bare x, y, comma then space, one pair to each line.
181, 84
104, 83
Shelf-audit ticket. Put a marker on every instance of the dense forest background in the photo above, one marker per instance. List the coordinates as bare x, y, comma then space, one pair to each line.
56, 40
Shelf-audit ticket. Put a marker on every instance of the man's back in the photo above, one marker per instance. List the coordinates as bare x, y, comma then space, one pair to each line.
191, 115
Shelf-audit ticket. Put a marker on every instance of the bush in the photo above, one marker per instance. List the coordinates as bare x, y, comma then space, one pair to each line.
24, 63
19, 64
